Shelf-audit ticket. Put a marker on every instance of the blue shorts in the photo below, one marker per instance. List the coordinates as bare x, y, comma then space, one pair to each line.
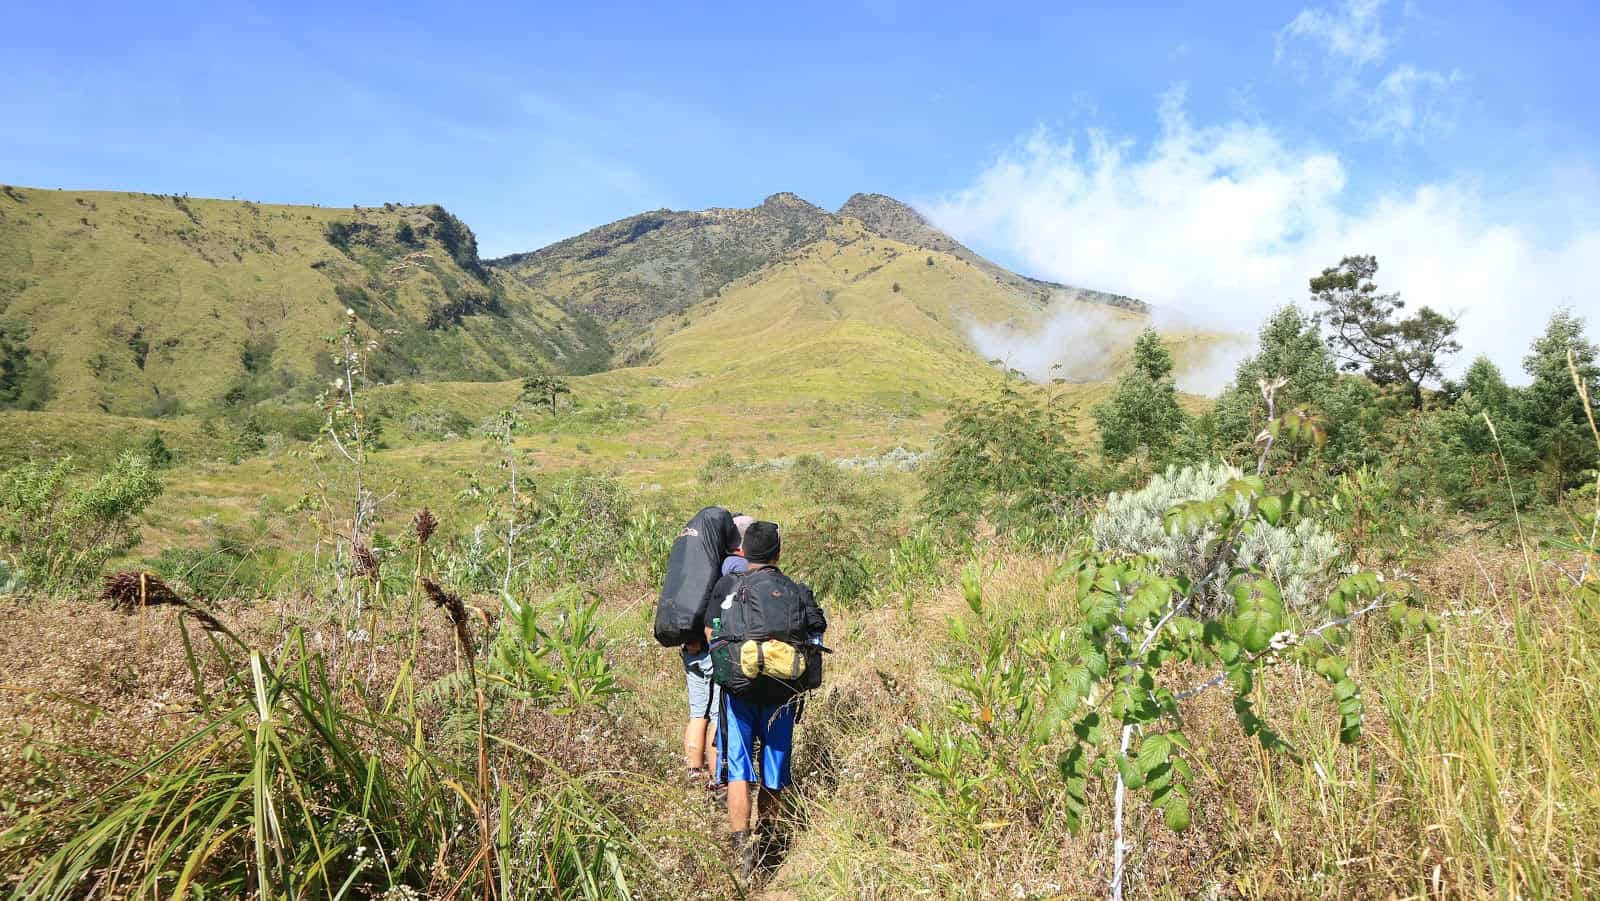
704, 694
748, 722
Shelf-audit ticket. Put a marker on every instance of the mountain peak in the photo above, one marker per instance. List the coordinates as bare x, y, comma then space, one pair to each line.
788, 200
874, 207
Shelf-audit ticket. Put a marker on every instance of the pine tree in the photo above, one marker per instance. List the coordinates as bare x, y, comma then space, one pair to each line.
1554, 425
1369, 338
1468, 464
1143, 412
1290, 347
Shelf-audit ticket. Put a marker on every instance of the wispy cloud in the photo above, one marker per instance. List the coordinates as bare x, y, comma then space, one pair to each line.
1223, 223
1353, 32
1412, 104
1403, 103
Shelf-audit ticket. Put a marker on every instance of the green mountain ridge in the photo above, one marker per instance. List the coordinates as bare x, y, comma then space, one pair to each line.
144, 304
151, 305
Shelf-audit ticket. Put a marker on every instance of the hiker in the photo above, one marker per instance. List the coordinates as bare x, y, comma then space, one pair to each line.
692, 569
735, 561
765, 631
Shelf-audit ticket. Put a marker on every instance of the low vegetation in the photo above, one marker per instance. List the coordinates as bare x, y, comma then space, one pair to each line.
1318, 639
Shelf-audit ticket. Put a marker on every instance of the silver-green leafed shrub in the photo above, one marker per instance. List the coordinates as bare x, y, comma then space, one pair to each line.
1300, 558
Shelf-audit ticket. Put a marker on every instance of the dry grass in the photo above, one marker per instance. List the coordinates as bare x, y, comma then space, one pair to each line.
1474, 778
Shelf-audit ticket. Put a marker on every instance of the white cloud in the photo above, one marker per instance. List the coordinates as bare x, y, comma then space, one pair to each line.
1408, 104
1224, 223
1412, 104
1354, 32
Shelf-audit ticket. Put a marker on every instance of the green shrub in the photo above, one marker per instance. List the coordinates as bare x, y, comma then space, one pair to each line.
235, 564
717, 469
62, 531
832, 552
1299, 558
1004, 459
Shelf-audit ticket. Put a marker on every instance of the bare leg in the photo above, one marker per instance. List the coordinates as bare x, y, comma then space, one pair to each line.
771, 809
739, 806
711, 745
695, 750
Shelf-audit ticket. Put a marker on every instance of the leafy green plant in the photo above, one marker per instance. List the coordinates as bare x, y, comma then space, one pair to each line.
1003, 459
1099, 696
831, 551
915, 562
61, 530
563, 666
1142, 416
643, 549
235, 563
718, 468
1299, 557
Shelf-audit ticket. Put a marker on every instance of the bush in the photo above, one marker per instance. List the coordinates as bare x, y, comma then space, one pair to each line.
63, 533
1299, 559
1004, 459
232, 565
575, 529
717, 468
831, 552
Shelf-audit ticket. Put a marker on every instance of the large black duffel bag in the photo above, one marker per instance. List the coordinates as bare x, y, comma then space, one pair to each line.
693, 567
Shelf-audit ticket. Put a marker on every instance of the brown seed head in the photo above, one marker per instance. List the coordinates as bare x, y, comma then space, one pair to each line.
124, 592
423, 524
366, 562
447, 601
127, 591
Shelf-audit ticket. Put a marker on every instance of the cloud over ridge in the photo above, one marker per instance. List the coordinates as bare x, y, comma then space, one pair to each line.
1223, 223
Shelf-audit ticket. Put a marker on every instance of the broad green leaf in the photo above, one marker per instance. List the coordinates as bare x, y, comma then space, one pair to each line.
1256, 621
1176, 815
1132, 776
1153, 751
1271, 509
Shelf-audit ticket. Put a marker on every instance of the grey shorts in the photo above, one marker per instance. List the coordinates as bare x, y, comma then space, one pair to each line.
704, 694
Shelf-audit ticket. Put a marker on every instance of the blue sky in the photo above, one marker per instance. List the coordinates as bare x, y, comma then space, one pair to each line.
1292, 130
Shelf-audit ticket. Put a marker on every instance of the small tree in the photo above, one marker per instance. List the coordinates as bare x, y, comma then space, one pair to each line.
1003, 458
1143, 411
544, 390
62, 530
1553, 423
1107, 695
1367, 336
1468, 452
1289, 348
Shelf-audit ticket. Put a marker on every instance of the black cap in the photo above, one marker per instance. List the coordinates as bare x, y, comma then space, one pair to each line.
761, 542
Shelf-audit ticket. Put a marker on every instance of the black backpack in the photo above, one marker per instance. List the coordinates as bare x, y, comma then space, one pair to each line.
692, 569
764, 628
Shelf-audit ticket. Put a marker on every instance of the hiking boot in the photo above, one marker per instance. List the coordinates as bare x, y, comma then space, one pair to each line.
747, 850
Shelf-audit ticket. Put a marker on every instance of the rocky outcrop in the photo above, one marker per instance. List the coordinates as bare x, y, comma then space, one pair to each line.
636, 271
895, 220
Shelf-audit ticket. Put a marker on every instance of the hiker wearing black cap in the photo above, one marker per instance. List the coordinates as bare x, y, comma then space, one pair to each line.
765, 632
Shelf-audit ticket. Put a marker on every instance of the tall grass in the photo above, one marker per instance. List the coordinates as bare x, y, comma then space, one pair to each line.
296, 783
1478, 781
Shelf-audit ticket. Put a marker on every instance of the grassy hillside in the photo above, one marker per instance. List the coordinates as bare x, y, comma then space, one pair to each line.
140, 304
632, 272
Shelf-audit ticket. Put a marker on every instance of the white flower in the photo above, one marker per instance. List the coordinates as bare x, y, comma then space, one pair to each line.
350, 311
338, 383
